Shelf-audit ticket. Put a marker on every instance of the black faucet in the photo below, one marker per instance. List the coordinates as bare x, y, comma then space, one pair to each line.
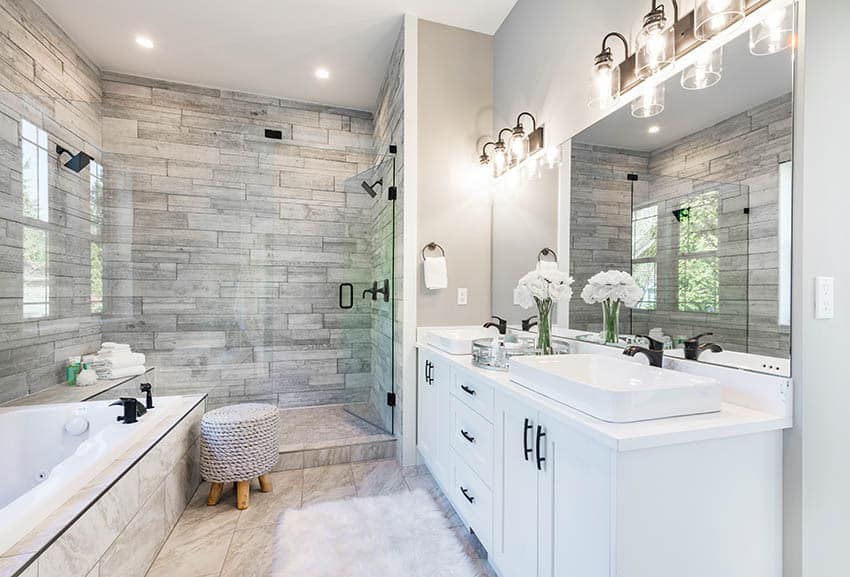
502, 325
375, 291
656, 357
147, 389
133, 409
529, 322
654, 344
693, 348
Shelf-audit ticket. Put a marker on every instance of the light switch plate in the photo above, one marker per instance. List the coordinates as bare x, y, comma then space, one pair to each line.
461, 296
824, 297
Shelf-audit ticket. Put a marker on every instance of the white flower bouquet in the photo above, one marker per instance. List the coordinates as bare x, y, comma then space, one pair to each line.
611, 288
543, 288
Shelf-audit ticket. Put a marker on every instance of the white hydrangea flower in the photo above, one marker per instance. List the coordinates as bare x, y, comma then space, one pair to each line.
542, 285
612, 285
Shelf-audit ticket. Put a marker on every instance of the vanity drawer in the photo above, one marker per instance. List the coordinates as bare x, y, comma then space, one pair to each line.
472, 438
473, 500
475, 393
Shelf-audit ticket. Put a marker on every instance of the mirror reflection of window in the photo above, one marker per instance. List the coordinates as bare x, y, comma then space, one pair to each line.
785, 186
698, 266
36, 273
34, 171
644, 255
96, 211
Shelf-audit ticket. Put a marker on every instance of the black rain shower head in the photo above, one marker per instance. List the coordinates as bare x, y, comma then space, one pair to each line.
370, 188
77, 162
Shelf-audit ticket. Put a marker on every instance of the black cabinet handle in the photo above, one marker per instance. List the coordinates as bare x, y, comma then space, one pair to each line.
467, 436
540, 458
467, 390
525, 431
428, 372
466, 494
350, 287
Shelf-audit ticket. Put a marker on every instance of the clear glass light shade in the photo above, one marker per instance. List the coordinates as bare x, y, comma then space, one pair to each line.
604, 85
714, 16
773, 34
500, 160
519, 146
705, 72
649, 103
656, 48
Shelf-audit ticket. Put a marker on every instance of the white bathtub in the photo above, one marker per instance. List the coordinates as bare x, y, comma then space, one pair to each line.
43, 464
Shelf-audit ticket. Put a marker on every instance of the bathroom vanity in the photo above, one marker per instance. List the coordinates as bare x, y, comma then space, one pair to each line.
554, 492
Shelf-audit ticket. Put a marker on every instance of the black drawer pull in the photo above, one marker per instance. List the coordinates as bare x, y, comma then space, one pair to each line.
466, 494
540, 458
467, 390
467, 436
527, 428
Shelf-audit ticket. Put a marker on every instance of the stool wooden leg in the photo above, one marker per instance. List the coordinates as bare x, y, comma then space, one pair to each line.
215, 494
243, 491
265, 483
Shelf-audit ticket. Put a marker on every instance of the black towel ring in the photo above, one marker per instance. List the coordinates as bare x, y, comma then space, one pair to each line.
432, 246
547, 252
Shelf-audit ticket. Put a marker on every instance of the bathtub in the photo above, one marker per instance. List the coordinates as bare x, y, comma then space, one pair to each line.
49, 452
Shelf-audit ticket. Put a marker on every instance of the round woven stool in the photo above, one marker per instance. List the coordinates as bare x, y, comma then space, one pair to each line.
239, 443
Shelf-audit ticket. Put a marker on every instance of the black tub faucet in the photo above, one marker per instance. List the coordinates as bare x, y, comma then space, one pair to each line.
693, 348
147, 389
501, 324
656, 357
133, 409
528, 323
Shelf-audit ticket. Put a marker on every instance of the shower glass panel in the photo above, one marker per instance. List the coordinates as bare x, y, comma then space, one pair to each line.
367, 293
691, 255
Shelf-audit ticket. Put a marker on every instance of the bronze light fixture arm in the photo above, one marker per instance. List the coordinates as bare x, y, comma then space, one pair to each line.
606, 50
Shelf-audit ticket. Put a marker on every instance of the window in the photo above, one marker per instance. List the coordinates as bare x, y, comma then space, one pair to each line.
699, 273
34, 171
644, 254
36, 277
96, 259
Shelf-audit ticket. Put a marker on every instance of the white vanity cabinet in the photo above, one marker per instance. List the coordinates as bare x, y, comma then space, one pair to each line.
434, 386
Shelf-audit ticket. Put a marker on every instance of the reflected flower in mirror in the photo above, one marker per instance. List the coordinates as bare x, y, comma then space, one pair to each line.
612, 288
544, 287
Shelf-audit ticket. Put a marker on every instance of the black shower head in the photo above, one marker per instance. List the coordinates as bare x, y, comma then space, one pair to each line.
77, 162
370, 188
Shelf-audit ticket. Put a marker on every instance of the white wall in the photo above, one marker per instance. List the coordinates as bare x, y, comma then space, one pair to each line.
455, 91
543, 53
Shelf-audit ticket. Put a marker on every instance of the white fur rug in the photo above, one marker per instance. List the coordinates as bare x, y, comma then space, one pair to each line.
401, 535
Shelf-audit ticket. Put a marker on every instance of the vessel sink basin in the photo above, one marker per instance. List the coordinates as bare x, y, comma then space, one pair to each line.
455, 340
616, 390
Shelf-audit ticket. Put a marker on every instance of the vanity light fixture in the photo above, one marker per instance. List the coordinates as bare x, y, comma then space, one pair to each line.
650, 103
714, 16
524, 145
705, 72
656, 41
519, 147
773, 34
605, 78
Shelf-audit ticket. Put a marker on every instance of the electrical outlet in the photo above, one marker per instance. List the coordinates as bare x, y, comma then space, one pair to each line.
824, 297
461, 296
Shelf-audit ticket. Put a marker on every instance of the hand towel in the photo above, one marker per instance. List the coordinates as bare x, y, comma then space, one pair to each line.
120, 372
436, 272
543, 265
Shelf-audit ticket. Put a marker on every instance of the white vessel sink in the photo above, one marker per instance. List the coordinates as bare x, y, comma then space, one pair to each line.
455, 340
616, 390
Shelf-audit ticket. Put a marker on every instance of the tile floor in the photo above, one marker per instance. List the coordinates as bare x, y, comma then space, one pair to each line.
325, 426
222, 541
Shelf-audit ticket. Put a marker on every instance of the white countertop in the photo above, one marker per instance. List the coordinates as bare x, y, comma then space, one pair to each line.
732, 420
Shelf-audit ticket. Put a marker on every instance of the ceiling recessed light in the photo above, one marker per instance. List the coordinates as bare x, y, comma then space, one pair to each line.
654, 129
144, 41
323, 73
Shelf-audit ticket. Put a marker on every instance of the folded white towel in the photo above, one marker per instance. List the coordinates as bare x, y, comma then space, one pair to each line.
120, 372
436, 272
543, 265
118, 360
114, 346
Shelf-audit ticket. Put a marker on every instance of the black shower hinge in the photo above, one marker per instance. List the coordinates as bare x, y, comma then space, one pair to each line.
747, 210
274, 134
631, 176
391, 399
392, 194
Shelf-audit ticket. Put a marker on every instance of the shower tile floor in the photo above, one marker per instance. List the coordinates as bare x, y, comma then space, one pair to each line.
222, 541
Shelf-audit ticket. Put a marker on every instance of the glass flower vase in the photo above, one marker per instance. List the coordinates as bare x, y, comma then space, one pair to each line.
544, 326
611, 321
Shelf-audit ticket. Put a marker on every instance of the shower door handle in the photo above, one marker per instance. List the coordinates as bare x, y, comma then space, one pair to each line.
350, 287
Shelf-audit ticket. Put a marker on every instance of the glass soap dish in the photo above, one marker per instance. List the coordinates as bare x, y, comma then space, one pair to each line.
497, 356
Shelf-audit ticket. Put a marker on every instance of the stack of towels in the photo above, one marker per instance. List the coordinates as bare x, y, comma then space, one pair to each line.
115, 361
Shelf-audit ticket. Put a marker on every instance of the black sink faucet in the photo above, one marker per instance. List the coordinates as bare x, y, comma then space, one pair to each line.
528, 323
133, 409
693, 348
654, 344
147, 389
656, 357
501, 324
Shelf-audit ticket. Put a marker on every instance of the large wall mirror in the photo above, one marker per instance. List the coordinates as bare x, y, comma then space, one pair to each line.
694, 201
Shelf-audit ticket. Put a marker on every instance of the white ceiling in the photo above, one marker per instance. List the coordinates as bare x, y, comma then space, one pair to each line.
747, 82
267, 47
